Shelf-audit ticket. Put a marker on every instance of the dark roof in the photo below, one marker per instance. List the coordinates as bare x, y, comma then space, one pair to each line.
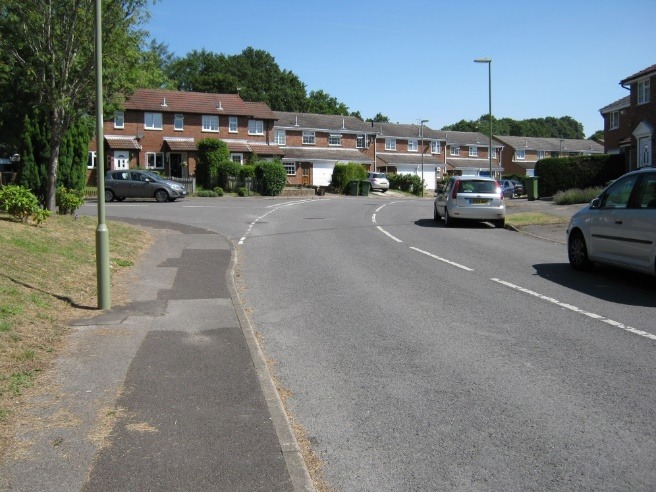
121, 143
625, 102
639, 75
552, 144
398, 130
321, 122
460, 163
470, 138
323, 154
259, 149
393, 159
196, 102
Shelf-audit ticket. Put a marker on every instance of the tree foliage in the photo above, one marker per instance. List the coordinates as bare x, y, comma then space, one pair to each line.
549, 127
212, 153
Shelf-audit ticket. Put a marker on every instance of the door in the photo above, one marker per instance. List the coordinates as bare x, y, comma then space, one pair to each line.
175, 161
322, 173
640, 224
121, 159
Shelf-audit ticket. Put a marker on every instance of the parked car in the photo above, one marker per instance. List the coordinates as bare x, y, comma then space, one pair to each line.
618, 227
378, 181
470, 198
511, 188
136, 183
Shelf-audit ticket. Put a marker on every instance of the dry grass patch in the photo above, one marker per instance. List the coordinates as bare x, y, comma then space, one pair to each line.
47, 278
534, 218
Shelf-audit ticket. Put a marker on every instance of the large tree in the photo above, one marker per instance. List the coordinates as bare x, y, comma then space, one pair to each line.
549, 127
48, 47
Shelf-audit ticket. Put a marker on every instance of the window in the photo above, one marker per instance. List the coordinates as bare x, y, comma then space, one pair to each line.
255, 127
412, 146
154, 160
178, 122
91, 162
361, 142
280, 137
473, 151
617, 195
520, 155
308, 139
119, 119
614, 120
643, 92
494, 153
335, 139
233, 124
153, 121
210, 123
390, 144
541, 154
455, 150
436, 147
290, 167
238, 158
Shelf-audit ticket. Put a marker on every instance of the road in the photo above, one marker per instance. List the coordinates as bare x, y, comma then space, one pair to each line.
427, 358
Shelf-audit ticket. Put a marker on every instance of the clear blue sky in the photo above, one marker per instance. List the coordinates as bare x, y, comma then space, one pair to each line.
413, 60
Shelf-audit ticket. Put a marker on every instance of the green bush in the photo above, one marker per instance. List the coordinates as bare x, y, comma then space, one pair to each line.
68, 201
560, 174
225, 170
343, 174
22, 204
242, 191
271, 177
575, 195
219, 191
207, 193
410, 183
246, 171
211, 154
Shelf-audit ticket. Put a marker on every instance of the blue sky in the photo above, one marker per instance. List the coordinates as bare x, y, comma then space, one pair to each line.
413, 60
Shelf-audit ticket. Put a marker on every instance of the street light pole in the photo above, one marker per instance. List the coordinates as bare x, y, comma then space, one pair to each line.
421, 133
489, 84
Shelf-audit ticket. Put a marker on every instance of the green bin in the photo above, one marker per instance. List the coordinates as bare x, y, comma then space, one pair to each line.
365, 186
532, 187
355, 188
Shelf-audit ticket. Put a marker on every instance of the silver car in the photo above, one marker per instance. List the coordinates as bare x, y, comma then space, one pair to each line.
137, 183
618, 227
378, 181
470, 198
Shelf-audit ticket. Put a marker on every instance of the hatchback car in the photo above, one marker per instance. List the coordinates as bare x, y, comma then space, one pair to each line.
378, 181
136, 183
618, 227
511, 188
470, 198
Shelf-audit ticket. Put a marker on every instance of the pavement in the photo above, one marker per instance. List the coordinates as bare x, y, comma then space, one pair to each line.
171, 391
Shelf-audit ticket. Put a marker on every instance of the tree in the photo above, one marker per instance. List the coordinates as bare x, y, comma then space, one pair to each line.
549, 127
321, 102
49, 47
379, 118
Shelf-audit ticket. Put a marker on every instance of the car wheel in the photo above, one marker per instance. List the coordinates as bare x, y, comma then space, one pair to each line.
436, 216
448, 221
383, 191
120, 198
577, 252
161, 196
500, 223
109, 196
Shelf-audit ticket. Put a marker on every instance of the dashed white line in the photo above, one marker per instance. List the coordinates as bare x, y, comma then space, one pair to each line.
453, 263
603, 319
388, 234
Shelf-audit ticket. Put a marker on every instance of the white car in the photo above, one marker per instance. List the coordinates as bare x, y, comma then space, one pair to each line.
378, 181
470, 198
618, 227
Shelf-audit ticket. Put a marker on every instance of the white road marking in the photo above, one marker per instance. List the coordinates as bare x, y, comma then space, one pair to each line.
388, 234
603, 319
442, 259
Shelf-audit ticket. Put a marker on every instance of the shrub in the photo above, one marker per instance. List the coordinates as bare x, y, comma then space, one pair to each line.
343, 174
68, 201
211, 153
219, 191
406, 182
242, 191
575, 195
206, 193
271, 177
22, 204
559, 174
225, 170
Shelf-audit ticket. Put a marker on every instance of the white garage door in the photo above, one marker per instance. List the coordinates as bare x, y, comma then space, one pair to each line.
322, 173
429, 173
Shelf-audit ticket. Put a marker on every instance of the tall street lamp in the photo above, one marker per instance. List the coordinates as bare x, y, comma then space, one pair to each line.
489, 83
421, 134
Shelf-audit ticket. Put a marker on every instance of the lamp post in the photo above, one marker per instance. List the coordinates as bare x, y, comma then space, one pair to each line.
489, 84
421, 134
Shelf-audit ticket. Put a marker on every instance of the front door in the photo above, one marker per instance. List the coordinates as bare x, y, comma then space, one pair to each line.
175, 161
121, 159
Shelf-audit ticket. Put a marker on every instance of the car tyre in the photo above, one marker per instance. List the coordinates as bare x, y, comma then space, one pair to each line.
500, 223
436, 216
161, 196
448, 221
383, 191
577, 252
109, 196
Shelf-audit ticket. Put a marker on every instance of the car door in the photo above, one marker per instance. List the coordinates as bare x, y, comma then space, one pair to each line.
607, 223
441, 197
120, 183
639, 224
140, 186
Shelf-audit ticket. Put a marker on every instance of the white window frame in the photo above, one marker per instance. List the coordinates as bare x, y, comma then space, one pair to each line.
210, 123
237, 157
335, 139
178, 122
309, 138
541, 154
520, 154
473, 151
361, 141
91, 161
157, 158
280, 137
255, 127
643, 91
390, 144
436, 147
152, 121
233, 124
413, 145
119, 120
614, 120
290, 168
455, 150
494, 152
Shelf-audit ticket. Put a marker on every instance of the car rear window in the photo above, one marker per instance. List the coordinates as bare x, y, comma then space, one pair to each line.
477, 187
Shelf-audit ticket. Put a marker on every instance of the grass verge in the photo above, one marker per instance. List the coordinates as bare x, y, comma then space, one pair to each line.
534, 218
47, 278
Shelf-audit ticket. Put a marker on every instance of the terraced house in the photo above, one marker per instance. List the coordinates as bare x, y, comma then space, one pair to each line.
629, 122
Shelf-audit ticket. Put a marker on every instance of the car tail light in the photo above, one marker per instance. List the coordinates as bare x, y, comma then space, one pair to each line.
500, 191
455, 189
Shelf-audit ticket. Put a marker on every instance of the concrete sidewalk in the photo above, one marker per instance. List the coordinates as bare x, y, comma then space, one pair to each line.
169, 392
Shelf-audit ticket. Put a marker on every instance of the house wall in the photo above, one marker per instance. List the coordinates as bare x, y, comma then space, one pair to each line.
642, 113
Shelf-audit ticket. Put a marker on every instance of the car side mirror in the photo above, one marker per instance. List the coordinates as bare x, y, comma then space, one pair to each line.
595, 203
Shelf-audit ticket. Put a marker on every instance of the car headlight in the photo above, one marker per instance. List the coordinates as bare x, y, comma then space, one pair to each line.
177, 187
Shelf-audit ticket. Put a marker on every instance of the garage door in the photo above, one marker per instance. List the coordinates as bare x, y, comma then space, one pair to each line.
429, 174
322, 173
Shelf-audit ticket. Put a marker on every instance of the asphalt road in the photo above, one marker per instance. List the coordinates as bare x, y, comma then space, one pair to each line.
427, 358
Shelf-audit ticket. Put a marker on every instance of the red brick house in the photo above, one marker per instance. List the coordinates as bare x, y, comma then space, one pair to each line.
468, 153
629, 123
160, 130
